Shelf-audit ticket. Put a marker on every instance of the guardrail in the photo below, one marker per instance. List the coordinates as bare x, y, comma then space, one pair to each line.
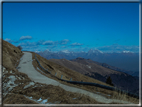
89, 83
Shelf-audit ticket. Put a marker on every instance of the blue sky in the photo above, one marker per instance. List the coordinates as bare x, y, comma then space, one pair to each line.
72, 26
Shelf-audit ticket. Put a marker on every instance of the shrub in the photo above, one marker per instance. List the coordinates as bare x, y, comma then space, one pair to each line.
109, 81
19, 47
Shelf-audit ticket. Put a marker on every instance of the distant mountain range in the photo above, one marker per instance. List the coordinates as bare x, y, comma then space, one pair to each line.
101, 72
70, 69
124, 61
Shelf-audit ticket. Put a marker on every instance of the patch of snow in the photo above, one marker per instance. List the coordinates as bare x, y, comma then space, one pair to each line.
88, 66
44, 101
10, 85
39, 99
3, 68
31, 83
19, 78
10, 71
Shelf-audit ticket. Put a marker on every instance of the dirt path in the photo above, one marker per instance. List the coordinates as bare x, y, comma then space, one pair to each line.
25, 66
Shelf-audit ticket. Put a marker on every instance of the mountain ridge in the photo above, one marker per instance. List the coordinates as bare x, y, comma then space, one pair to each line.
125, 62
91, 69
21, 89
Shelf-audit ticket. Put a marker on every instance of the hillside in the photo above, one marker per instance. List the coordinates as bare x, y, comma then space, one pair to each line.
20, 88
127, 62
92, 69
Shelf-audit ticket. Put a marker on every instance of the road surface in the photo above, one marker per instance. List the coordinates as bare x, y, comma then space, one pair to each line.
25, 66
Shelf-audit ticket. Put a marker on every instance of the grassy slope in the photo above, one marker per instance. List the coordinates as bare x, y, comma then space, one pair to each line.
10, 55
11, 60
16, 96
67, 74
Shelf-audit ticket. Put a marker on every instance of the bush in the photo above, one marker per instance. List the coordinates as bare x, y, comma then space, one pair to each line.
19, 47
109, 81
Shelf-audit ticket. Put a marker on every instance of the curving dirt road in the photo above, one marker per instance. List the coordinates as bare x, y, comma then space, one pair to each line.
25, 66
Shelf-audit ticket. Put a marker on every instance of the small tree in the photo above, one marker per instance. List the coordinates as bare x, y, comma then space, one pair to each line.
19, 47
109, 81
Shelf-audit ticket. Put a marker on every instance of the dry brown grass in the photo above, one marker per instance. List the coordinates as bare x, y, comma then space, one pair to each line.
67, 73
125, 97
77, 77
10, 55
10, 61
11, 58
17, 99
16, 96
55, 93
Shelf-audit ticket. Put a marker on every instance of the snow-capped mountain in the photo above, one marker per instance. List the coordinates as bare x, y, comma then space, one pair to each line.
125, 60
47, 50
94, 51
65, 51
127, 52
37, 51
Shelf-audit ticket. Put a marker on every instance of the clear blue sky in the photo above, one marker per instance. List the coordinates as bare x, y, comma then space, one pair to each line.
72, 26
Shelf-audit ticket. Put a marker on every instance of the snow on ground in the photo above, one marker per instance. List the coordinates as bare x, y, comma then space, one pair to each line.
41, 101
88, 66
31, 83
9, 85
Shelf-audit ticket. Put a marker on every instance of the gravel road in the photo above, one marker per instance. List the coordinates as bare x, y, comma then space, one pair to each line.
25, 66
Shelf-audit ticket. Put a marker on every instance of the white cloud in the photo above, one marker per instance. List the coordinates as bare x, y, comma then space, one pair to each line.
48, 43
65, 41
25, 37
27, 43
9, 40
40, 42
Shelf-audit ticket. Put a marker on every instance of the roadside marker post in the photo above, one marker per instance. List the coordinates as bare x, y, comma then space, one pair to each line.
55, 73
61, 76
71, 79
